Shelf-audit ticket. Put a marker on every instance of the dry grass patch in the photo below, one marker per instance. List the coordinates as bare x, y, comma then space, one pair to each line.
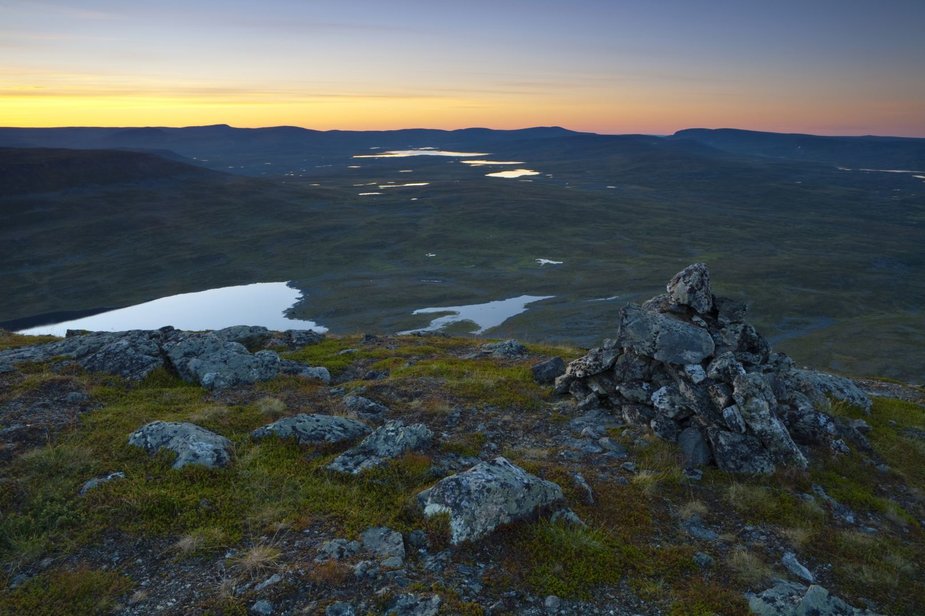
747, 568
272, 408
331, 573
257, 560
797, 535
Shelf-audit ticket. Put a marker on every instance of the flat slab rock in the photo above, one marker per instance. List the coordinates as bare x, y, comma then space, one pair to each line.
131, 354
312, 429
791, 599
384, 444
487, 496
192, 444
215, 360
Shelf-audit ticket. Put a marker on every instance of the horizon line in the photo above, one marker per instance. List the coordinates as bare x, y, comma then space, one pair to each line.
450, 130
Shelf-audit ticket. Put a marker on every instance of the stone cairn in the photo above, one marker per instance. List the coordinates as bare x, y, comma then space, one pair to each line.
687, 365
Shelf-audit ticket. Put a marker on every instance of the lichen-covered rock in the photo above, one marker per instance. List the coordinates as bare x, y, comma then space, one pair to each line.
192, 444
791, 599
739, 453
215, 360
251, 336
214, 363
757, 406
365, 408
691, 287
508, 349
819, 386
415, 605
337, 549
386, 545
384, 444
131, 354
295, 368
311, 429
341, 608
486, 496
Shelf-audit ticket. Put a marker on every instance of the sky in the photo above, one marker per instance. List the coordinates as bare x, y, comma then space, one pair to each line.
833, 67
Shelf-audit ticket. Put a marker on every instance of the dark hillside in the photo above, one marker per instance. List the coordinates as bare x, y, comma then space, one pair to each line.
37, 170
864, 152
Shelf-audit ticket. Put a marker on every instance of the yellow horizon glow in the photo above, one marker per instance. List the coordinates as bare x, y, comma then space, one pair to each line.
397, 111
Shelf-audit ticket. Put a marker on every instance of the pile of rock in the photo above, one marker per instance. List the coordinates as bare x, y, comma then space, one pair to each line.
688, 365
215, 360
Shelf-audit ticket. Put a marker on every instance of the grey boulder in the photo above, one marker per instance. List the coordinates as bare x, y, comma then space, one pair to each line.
486, 496
192, 444
214, 363
131, 354
791, 599
663, 338
251, 336
694, 448
341, 608
795, 567
819, 386
318, 373
311, 429
739, 453
415, 605
756, 404
384, 444
365, 408
509, 349
386, 545
337, 549
691, 287
547, 371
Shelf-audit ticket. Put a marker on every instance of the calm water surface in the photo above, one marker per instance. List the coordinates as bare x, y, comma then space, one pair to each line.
262, 303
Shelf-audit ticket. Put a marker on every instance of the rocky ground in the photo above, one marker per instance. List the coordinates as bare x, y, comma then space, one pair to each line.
680, 468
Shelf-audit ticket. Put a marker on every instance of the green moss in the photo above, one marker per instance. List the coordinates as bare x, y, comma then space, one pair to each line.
882, 567
477, 381
773, 504
569, 561
703, 597
328, 353
468, 444
80, 592
9, 340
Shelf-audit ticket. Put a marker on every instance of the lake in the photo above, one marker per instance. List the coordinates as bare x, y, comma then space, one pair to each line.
262, 303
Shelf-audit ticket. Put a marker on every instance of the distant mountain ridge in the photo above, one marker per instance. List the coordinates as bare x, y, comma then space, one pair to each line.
250, 151
871, 152
247, 150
